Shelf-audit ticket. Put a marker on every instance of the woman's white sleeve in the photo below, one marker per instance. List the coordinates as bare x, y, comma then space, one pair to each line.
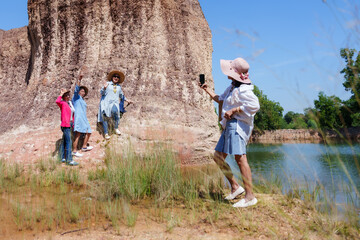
250, 103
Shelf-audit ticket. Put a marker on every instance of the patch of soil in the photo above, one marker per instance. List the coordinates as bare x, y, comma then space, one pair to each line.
27, 146
273, 217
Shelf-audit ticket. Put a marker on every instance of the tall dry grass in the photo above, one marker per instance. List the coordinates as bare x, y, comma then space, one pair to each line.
156, 174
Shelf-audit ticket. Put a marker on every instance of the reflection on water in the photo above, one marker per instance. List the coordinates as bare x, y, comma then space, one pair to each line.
335, 167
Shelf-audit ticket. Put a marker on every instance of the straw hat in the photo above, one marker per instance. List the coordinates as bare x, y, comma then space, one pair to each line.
237, 69
110, 75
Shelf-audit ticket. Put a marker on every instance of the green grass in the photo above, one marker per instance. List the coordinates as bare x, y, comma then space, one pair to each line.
130, 183
127, 177
157, 174
2, 173
73, 209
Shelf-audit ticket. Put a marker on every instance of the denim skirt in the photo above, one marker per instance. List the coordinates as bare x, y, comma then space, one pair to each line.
230, 141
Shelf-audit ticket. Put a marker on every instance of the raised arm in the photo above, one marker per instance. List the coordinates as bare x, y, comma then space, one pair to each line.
213, 96
77, 88
76, 93
58, 100
78, 82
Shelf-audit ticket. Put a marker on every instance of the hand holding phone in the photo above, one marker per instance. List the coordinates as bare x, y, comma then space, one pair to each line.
202, 79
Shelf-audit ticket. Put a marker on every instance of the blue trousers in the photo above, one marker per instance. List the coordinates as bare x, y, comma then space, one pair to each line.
115, 116
65, 146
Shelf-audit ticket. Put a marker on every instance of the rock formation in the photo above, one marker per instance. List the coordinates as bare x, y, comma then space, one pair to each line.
306, 135
161, 45
286, 135
14, 57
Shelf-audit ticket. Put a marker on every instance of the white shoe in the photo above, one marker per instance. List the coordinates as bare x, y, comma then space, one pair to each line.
88, 148
107, 137
72, 163
77, 154
243, 204
117, 131
233, 195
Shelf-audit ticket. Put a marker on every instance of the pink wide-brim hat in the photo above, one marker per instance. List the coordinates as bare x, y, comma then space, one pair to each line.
235, 68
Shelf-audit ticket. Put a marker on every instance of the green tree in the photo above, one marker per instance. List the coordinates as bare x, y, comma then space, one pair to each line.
351, 71
328, 111
289, 117
310, 118
352, 83
270, 115
295, 120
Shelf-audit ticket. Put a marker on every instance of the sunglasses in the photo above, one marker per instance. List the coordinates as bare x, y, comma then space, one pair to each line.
116, 77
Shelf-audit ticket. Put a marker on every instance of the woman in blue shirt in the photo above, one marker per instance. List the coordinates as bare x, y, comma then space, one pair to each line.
81, 123
111, 93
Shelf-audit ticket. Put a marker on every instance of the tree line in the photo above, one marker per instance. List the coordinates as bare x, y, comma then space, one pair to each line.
329, 112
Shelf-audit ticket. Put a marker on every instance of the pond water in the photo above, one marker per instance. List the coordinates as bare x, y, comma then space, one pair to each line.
334, 167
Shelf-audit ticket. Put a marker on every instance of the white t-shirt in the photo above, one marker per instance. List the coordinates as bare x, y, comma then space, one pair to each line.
72, 110
244, 98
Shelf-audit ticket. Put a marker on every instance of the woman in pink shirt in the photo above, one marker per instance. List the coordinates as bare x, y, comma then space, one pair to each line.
67, 110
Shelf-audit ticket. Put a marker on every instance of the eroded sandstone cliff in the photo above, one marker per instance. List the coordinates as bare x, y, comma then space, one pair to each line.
14, 57
161, 45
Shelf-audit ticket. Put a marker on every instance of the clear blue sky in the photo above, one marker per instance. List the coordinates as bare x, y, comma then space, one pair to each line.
292, 45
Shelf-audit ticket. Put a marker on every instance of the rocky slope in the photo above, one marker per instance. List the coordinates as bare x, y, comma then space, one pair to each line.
161, 45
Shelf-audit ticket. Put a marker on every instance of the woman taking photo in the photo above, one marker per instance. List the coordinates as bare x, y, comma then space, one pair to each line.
239, 106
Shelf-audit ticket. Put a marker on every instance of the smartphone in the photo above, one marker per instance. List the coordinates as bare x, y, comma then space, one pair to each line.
202, 79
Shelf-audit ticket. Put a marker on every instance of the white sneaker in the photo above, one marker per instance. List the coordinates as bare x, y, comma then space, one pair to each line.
72, 163
243, 204
77, 154
233, 195
117, 131
107, 137
88, 148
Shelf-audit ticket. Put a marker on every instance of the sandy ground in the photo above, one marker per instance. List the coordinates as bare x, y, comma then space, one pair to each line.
26, 146
272, 218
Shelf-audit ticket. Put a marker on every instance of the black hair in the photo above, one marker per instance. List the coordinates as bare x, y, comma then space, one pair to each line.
66, 94
238, 84
85, 90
